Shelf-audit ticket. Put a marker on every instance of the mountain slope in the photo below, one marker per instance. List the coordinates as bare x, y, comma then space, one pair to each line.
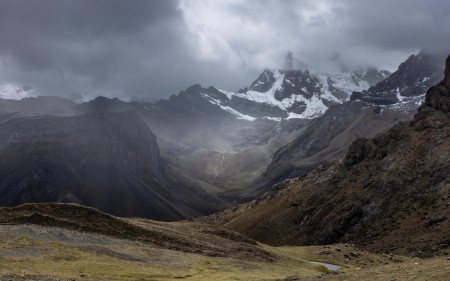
164, 235
389, 193
330, 135
105, 160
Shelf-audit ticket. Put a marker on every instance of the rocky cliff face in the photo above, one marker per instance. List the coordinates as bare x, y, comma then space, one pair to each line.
389, 193
109, 161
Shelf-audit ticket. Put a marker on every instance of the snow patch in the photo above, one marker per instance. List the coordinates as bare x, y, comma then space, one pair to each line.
407, 104
399, 97
342, 81
273, 118
229, 109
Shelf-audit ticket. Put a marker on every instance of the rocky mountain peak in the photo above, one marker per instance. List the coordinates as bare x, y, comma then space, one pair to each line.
408, 85
264, 81
286, 94
438, 96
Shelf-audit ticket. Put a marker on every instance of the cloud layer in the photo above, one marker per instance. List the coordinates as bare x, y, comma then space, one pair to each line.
152, 49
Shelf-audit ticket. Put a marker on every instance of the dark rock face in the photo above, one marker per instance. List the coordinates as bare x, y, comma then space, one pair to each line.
264, 82
438, 97
388, 193
295, 82
447, 73
413, 78
358, 150
109, 161
297, 107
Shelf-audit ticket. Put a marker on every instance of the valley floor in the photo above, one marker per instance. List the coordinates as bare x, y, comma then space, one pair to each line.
36, 252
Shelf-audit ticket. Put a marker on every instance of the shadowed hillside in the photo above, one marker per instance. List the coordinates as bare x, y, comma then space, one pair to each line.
109, 161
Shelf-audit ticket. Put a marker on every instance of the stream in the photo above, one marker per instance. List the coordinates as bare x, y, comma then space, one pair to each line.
328, 266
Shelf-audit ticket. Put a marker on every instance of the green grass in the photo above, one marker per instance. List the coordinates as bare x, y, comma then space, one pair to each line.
62, 260
126, 260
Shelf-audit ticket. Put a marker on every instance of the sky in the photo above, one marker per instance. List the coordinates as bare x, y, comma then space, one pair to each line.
148, 50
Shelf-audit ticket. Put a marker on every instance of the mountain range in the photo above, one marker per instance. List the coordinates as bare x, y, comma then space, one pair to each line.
389, 193
213, 148
386, 201
366, 114
287, 94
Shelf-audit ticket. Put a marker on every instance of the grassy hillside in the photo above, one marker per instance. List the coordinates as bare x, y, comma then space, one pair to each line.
71, 242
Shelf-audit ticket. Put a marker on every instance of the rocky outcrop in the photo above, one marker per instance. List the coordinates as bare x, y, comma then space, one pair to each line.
438, 97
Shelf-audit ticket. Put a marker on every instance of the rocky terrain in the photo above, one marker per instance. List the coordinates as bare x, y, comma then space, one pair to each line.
387, 194
110, 161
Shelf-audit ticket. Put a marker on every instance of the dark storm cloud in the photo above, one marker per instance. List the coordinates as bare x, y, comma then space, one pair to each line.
149, 49
399, 26
103, 46
320, 34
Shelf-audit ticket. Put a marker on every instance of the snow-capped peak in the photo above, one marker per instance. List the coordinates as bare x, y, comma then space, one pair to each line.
290, 94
